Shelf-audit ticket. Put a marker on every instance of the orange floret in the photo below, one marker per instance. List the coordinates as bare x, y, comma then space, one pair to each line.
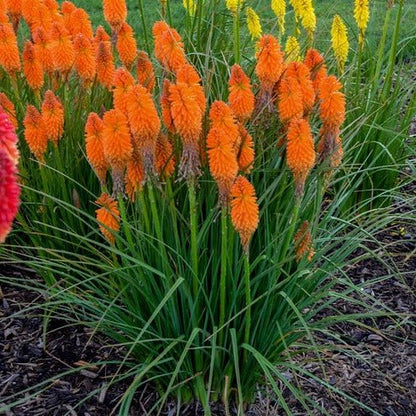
315, 62
145, 71
187, 74
94, 146
32, 67
115, 13
241, 97
43, 49
117, 146
29, 10
126, 45
8, 138
40, 17
135, 176
85, 63
244, 210
101, 36
165, 106
53, 117
62, 48
270, 63
67, 8
303, 242
123, 80
165, 158
245, 154
35, 134
300, 152
108, 216
144, 123
290, 103
9, 53
332, 102
79, 23
8, 107
105, 65
169, 49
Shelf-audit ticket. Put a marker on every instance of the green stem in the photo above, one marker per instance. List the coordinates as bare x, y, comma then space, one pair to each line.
292, 228
146, 39
143, 209
193, 219
223, 277
236, 32
248, 301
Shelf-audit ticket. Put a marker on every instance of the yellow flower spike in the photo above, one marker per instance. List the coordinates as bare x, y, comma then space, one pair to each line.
362, 16
190, 7
253, 24
279, 9
340, 44
305, 12
233, 5
292, 49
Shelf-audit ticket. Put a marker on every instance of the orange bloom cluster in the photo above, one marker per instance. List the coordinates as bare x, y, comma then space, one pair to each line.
43, 47
126, 45
8, 138
62, 48
135, 176
115, 13
94, 146
145, 71
245, 154
85, 63
35, 132
315, 62
8, 107
108, 216
53, 117
32, 67
9, 53
241, 97
165, 158
300, 152
14, 9
105, 65
244, 210
303, 242
123, 80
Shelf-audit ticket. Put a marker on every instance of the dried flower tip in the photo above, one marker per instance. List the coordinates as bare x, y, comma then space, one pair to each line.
303, 242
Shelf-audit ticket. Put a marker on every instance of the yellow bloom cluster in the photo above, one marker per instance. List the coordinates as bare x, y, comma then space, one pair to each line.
305, 12
233, 5
253, 24
362, 16
279, 9
190, 6
292, 49
339, 39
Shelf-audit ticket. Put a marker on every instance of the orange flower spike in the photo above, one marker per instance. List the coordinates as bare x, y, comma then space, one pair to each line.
94, 146
62, 48
187, 74
108, 216
43, 49
241, 97
67, 8
332, 102
303, 242
270, 63
8, 138
166, 107
245, 155
290, 104
14, 8
115, 13
101, 36
315, 62
53, 116
244, 210
9, 53
165, 159
8, 107
144, 123
117, 146
35, 134
79, 22
42, 17
300, 152
32, 67
123, 80
135, 176
145, 71
330, 148
84, 62
105, 65
299, 73
169, 48
222, 118
29, 11
126, 45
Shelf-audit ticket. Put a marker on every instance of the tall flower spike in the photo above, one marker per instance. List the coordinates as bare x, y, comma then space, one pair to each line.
190, 6
305, 12
279, 9
300, 152
43, 49
117, 146
145, 71
144, 124
253, 23
244, 210
62, 48
35, 134
135, 176
85, 63
234, 5
8, 138
115, 13
126, 45
105, 65
362, 16
9, 194
9, 53
94, 146
241, 97
221, 151
53, 117
101, 36
315, 62
340, 44
292, 49
123, 80
32, 67
303, 242
79, 23
8, 107
165, 158
108, 216
187, 74
169, 48
245, 154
